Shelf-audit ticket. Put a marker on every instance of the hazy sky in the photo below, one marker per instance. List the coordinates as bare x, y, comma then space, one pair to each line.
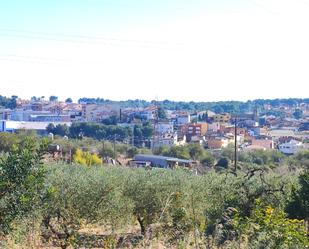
199, 50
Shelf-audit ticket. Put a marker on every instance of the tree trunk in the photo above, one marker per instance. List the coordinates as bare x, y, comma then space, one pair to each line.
142, 225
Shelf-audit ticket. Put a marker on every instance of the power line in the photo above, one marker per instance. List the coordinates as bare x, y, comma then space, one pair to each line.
86, 37
23, 61
35, 58
83, 39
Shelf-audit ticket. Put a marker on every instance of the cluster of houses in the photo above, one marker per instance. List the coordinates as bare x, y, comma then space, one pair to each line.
220, 131
211, 130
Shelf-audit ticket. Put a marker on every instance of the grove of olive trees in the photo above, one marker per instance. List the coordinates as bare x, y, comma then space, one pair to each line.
263, 204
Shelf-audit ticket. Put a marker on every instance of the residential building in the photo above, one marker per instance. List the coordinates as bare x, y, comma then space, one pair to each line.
96, 113
37, 106
50, 118
291, 147
214, 127
197, 129
260, 131
277, 134
167, 139
149, 113
217, 142
25, 115
263, 143
231, 129
242, 117
164, 127
5, 114
183, 119
221, 118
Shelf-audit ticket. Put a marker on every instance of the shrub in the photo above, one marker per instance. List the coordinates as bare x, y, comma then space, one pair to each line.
269, 228
82, 195
86, 158
223, 162
21, 181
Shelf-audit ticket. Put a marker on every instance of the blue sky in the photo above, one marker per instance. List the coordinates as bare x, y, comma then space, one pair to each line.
78, 16
171, 49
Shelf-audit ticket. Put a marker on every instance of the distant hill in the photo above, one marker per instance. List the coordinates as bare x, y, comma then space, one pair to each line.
218, 107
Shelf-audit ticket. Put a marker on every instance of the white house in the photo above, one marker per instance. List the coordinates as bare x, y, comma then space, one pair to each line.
214, 127
183, 119
291, 147
168, 140
164, 127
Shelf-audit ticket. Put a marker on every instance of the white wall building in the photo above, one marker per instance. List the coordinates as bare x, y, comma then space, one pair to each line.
183, 119
291, 147
165, 127
40, 127
168, 140
214, 127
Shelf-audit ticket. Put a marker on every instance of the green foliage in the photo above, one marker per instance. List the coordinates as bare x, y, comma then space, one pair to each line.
112, 120
86, 158
223, 162
8, 102
228, 152
301, 159
161, 113
271, 158
60, 130
99, 131
196, 151
208, 160
68, 100
177, 203
149, 192
218, 107
53, 98
165, 196
299, 205
82, 195
7, 140
179, 152
132, 152
269, 228
107, 150
162, 150
21, 181
298, 113
142, 133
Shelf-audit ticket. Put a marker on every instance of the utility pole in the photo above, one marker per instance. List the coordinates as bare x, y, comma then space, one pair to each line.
103, 149
115, 147
133, 136
235, 144
70, 156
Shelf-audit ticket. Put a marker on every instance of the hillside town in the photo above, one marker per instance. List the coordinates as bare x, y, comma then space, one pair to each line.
160, 124
287, 131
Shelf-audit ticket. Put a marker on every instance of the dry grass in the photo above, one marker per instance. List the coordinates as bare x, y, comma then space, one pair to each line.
96, 237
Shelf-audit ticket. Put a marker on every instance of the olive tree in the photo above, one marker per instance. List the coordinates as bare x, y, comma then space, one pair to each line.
21, 181
81, 195
298, 207
150, 192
